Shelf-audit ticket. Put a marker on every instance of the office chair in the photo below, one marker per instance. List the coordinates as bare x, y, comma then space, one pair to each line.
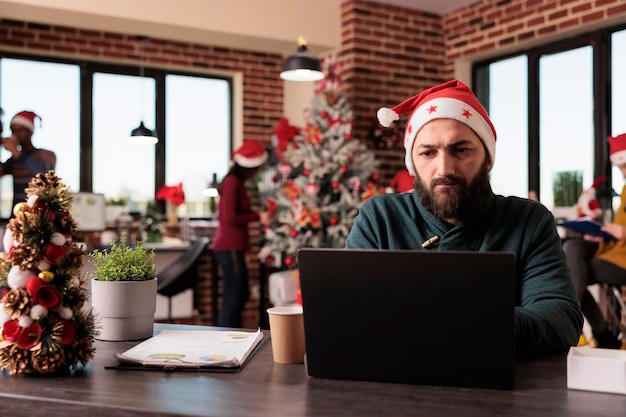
617, 309
181, 274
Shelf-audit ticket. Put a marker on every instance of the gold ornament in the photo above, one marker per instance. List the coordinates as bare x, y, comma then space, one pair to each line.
47, 276
19, 207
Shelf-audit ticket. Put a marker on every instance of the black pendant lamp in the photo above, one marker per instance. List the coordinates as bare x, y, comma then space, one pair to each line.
142, 134
303, 65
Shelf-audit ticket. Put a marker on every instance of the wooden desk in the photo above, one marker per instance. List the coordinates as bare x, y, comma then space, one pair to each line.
267, 389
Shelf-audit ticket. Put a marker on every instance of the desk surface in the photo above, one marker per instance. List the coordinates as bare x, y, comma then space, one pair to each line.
263, 388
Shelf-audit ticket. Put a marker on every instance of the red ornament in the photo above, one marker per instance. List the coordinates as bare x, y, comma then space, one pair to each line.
54, 253
29, 336
307, 172
334, 220
293, 233
375, 176
348, 136
10, 330
288, 261
350, 159
65, 332
335, 185
344, 169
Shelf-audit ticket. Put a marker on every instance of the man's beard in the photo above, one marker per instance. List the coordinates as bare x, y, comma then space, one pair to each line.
455, 202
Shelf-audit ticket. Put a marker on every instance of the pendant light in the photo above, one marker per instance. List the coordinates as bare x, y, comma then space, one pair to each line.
303, 65
142, 134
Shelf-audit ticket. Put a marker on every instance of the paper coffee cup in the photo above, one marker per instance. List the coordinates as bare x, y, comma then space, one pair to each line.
287, 330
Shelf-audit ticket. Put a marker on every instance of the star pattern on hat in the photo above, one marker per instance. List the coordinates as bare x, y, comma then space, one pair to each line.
467, 114
432, 109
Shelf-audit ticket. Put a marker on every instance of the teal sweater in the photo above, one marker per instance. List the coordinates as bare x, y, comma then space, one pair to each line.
547, 313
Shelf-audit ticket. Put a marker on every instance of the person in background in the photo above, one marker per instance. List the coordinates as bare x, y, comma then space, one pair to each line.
401, 182
234, 213
592, 260
26, 161
450, 149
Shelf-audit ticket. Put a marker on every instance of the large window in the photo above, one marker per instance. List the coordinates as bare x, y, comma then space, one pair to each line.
618, 99
550, 109
565, 120
55, 97
88, 111
508, 114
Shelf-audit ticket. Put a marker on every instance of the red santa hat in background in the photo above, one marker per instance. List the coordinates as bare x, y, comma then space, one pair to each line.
251, 154
27, 119
617, 149
450, 100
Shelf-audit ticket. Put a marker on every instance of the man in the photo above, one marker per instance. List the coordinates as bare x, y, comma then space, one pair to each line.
450, 149
26, 161
594, 260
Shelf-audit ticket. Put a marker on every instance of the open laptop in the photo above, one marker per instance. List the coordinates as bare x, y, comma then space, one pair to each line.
418, 317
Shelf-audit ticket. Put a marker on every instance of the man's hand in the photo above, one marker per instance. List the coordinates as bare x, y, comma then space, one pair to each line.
12, 145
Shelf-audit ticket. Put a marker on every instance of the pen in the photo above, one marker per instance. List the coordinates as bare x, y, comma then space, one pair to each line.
430, 241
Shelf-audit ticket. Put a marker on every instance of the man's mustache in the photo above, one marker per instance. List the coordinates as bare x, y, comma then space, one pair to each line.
448, 180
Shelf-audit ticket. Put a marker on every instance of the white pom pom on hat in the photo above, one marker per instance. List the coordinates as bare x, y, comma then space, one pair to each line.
450, 100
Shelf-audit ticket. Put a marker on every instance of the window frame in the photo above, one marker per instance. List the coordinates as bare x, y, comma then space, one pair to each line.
600, 41
87, 70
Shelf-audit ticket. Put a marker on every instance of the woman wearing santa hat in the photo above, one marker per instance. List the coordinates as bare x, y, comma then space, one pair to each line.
234, 213
450, 148
26, 161
594, 260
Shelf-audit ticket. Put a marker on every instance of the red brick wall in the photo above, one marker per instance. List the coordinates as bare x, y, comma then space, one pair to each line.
387, 55
493, 25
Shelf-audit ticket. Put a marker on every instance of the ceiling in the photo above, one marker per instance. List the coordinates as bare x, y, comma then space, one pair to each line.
438, 7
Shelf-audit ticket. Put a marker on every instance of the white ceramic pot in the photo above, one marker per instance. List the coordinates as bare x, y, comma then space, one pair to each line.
124, 310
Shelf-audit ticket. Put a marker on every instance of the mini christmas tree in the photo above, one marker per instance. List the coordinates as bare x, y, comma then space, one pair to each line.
45, 327
322, 177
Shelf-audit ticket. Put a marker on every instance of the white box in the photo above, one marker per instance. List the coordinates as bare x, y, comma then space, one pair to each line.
595, 369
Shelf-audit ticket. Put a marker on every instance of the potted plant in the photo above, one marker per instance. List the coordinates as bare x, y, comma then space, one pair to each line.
124, 291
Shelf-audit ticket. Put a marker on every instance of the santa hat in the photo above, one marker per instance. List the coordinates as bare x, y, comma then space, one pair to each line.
617, 149
251, 154
451, 100
27, 119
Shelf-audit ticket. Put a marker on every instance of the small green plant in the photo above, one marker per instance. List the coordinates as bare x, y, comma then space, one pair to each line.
124, 262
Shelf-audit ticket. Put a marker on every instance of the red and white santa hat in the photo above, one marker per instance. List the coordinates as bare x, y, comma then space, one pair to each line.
27, 119
450, 100
251, 154
617, 149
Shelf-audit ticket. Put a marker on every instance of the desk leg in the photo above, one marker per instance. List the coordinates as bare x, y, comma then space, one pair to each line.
214, 289
263, 279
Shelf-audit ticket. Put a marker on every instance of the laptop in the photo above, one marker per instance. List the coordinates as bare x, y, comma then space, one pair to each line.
413, 317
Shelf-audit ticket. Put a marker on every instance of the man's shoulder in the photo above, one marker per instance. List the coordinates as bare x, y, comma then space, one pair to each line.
518, 205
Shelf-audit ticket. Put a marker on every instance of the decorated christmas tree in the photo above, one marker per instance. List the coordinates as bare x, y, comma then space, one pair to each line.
45, 325
321, 177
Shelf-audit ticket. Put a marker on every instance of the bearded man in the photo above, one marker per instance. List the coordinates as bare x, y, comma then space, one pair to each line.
450, 147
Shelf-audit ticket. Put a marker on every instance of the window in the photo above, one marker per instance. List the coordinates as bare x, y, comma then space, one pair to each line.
507, 112
192, 114
565, 118
198, 131
56, 98
618, 99
559, 92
